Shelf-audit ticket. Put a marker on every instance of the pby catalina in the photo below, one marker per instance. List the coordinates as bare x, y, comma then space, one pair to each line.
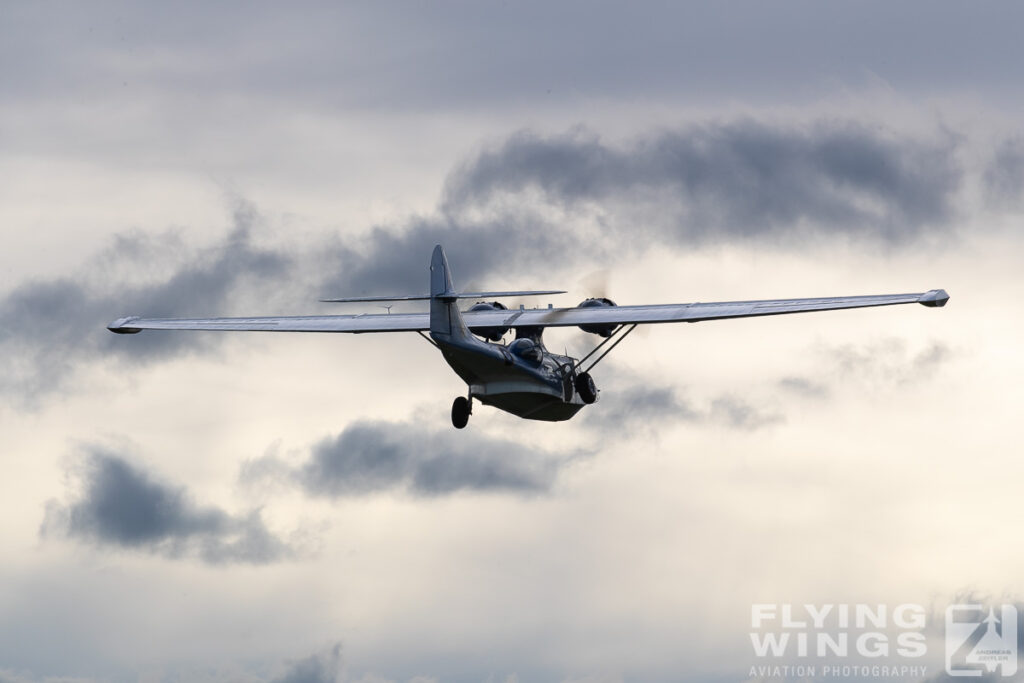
521, 377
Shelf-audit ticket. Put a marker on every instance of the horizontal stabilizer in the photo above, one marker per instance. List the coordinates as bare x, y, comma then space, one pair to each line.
426, 297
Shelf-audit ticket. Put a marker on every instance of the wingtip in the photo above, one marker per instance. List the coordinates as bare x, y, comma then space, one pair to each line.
935, 298
121, 326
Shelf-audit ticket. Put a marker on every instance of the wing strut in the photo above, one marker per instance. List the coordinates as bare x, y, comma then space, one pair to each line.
618, 337
429, 340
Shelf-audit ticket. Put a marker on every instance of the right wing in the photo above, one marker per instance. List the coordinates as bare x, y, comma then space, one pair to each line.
696, 312
374, 322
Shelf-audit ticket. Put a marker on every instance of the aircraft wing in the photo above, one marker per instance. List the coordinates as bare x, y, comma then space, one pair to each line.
695, 312
373, 322
532, 317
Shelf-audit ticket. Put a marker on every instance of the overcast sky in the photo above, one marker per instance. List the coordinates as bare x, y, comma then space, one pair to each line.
244, 507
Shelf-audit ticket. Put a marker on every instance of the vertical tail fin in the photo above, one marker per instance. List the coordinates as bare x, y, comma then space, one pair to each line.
440, 275
445, 317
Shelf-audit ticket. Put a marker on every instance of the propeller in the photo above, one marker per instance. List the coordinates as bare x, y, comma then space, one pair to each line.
597, 284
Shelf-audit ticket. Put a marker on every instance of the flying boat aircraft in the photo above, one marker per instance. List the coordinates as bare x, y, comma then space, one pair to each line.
522, 377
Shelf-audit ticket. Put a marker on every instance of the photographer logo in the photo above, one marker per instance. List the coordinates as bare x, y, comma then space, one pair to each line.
980, 640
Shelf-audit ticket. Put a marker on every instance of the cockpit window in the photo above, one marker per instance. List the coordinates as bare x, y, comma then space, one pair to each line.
527, 350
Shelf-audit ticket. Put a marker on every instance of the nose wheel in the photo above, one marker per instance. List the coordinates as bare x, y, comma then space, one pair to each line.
461, 409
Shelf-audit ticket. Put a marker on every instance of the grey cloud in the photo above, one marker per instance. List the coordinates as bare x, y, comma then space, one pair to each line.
881, 364
644, 402
122, 506
731, 181
51, 326
322, 667
985, 677
371, 456
499, 215
395, 260
887, 361
1004, 178
12, 676
380, 57
537, 204
937, 621
627, 407
737, 413
803, 386
368, 457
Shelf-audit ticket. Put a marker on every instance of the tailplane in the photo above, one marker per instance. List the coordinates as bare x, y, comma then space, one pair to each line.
445, 317
457, 295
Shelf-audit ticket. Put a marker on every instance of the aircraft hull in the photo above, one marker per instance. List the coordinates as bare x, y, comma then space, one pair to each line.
532, 405
497, 378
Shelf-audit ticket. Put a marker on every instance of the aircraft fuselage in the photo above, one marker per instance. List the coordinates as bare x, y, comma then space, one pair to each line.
530, 382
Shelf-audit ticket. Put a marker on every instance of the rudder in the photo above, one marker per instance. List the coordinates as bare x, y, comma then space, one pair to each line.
445, 318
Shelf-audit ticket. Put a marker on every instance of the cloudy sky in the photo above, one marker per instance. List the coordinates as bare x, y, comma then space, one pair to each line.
246, 507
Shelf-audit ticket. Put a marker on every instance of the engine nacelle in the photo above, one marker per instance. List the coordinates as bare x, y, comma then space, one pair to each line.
601, 329
490, 333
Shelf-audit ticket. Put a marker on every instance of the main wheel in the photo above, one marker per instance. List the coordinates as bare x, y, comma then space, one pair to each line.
460, 412
586, 388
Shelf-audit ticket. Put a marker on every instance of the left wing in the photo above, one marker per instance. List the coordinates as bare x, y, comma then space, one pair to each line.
532, 317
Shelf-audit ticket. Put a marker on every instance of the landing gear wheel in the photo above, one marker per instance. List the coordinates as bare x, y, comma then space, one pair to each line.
460, 412
586, 388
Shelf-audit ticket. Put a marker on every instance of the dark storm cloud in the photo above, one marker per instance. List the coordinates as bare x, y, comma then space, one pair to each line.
396, 260
322, 667
1004, 178
626, 408
537, 204
730, 181
122, 506
50, 326
369, 457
